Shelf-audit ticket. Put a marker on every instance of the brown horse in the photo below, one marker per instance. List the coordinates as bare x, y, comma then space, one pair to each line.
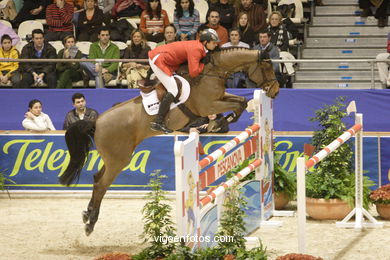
119, 130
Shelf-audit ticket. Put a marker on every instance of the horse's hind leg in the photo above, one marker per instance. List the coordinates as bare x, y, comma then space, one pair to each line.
102, 180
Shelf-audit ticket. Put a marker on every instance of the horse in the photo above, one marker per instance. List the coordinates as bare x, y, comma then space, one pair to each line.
120, 129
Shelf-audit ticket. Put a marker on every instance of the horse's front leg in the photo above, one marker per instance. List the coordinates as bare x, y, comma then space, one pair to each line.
242, 105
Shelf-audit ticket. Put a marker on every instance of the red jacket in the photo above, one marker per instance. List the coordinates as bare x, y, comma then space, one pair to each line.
174, 54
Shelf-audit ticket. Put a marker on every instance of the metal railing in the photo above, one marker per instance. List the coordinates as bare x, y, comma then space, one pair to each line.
372, 62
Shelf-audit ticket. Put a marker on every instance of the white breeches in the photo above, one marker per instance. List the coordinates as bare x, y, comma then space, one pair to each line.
169, 82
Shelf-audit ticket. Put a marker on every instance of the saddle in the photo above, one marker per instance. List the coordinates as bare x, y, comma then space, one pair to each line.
146, 86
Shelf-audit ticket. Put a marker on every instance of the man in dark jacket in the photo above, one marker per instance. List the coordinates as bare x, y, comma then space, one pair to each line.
80, 111
226, 13
35, 73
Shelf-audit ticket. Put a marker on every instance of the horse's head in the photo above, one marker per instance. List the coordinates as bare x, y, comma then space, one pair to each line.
262, 73
259, 70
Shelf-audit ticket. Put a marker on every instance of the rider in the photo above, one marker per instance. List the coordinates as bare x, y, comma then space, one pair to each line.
166, 59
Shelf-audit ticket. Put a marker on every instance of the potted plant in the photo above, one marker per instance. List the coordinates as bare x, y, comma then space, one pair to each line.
298, 257
381, 198
330, 186
284, 184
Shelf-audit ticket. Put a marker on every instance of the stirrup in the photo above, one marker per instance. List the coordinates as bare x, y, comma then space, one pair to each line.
160, 127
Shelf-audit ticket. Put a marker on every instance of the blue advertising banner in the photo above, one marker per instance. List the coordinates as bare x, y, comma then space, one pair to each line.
36, 161
385, 162
292, 107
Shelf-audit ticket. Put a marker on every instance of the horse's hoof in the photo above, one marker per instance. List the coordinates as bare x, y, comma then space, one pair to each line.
88, 229
85, 216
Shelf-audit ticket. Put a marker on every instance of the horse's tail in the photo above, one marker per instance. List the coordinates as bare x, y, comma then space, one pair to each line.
78, 139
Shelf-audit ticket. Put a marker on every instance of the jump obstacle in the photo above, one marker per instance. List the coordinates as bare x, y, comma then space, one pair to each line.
358, 211
200, 216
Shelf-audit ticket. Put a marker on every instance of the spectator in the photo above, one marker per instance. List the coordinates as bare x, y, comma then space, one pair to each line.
380, 13
226, 13
31, 10
234, 36
383, 67
247, 34
186, 20
106, 6
80, 111
4, 29
128, 8
38, 72
273, 52
213, 23
59, 19
169, 35
138, 49
102, 49
256, 14
89, 22
262, 3
238, 79
35, 119
215, 123
9, 70
68, 72
76, 4
153, 21
279, 34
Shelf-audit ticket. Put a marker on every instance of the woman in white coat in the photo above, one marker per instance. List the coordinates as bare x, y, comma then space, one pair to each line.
35, 119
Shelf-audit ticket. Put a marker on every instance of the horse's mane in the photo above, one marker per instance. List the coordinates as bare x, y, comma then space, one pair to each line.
231, 49
230, 54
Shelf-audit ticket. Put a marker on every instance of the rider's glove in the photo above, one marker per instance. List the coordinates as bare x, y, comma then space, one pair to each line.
206, 59
264, 55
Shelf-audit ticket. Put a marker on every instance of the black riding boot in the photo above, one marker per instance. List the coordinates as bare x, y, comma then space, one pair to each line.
158, 124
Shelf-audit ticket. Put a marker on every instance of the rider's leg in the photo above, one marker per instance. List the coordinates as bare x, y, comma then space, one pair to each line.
169, 83
158, 124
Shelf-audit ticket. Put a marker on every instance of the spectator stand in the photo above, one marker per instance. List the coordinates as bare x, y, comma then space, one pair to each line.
169, 6
203, 7
25, 28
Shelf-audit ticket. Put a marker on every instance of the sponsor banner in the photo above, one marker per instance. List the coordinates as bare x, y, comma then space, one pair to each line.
36, 161
385, 162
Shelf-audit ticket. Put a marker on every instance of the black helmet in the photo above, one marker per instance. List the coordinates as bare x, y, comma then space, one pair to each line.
209, 35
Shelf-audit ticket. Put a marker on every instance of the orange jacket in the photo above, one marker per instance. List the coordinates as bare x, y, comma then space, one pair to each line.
174, 54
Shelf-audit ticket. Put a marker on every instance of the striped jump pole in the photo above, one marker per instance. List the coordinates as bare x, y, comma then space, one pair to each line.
303, 166
229, 146
235, 179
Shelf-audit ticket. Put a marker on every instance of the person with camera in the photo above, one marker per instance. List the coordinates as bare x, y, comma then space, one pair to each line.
68, 72
36, 73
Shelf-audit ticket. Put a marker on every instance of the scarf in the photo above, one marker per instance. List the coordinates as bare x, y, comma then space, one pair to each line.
279, 31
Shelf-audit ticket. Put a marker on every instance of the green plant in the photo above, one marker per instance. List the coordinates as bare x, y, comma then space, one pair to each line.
3, 180
334, 177
158, 225
256, 253
381, 195
232, 222
284, 181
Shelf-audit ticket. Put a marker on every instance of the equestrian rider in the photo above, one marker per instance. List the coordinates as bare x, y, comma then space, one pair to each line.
166, 59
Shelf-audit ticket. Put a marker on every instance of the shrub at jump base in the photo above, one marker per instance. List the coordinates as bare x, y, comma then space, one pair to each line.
157, 222
334, 177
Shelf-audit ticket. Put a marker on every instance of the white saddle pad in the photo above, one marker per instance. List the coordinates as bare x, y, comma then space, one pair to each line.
151, 102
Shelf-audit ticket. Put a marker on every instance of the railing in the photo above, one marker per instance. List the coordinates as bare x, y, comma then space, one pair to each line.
372, 62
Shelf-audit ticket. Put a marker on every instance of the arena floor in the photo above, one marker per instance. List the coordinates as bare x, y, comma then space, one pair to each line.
53, 229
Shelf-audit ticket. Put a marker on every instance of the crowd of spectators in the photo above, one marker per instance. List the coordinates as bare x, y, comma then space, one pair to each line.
238, 23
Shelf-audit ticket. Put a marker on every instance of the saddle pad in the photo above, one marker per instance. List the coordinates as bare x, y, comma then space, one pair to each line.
151, 102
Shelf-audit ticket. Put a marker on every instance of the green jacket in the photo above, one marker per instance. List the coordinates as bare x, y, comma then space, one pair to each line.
112, 52
62, 66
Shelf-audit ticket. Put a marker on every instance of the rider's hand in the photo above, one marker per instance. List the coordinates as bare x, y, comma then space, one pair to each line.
264, 55
206, 59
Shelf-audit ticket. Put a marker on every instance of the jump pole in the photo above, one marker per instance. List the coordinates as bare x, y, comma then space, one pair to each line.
303, 166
